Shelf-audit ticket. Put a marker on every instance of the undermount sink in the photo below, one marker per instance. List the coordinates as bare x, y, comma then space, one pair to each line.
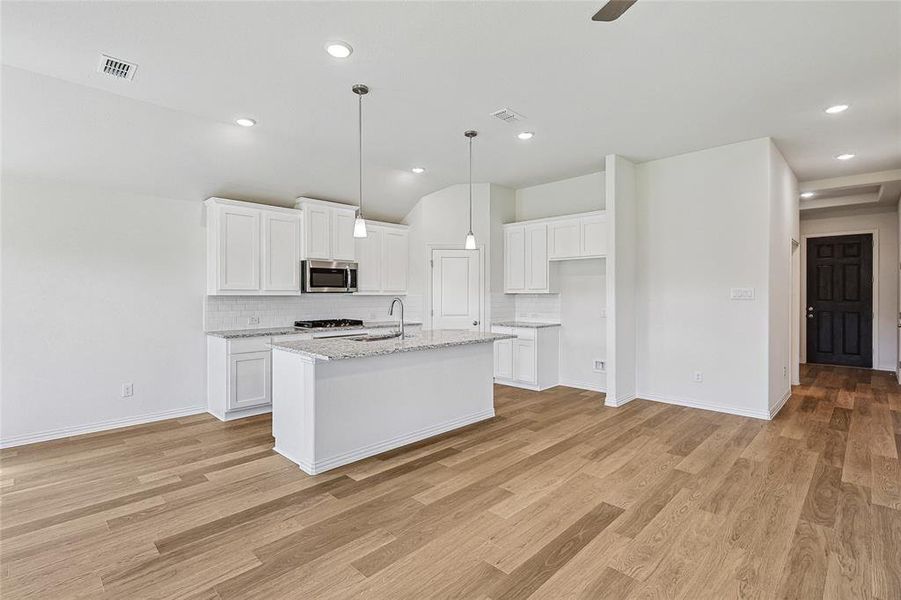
376, 338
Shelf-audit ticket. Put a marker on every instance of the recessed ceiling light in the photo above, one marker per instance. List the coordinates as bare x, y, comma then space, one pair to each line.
807, 194
846, 156
834, 110
339, 49
525, 135
245, 122
418, 170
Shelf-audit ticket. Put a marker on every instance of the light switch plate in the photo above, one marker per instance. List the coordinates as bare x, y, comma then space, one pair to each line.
741, 294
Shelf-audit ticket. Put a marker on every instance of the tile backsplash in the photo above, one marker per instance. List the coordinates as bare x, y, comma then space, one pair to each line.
235, 312
538, 307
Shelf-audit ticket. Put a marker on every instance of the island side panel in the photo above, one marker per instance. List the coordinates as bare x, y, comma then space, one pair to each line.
365, 406
293, 407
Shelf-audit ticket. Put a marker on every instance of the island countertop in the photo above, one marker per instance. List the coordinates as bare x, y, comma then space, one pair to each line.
344, 348
292, 330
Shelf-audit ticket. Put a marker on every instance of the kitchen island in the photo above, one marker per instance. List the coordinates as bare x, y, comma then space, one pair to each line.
339, 400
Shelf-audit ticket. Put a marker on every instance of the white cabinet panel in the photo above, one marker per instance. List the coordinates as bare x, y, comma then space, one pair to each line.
503, 359
318, 232
369, 261
239, 249
514, 259
281, 252
382, 257
249, 380
395, 255
343, 234
524, 367
536, 258
563, 239
593, 235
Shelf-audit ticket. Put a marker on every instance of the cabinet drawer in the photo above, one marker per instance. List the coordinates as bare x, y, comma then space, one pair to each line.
254, 344
524, 333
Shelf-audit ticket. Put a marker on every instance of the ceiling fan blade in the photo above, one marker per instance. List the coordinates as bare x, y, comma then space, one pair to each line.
613, 10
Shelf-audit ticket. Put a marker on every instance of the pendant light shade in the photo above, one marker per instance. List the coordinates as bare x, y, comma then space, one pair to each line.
359, 223
470, 243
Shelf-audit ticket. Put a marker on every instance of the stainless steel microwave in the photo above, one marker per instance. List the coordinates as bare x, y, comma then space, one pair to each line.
322, 276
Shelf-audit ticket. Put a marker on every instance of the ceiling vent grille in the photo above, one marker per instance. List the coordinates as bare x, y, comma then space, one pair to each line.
116, 67
508, 115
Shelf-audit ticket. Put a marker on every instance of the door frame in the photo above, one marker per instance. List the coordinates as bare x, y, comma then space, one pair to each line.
875, 317
430, 248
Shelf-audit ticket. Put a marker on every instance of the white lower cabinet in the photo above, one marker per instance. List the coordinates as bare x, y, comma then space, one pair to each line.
249, 381
239, 372
530, 360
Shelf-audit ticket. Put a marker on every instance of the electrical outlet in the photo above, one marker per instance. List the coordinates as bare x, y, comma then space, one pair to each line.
128, 390
600, 366
698, 377
784, 371
253, 320
741, 293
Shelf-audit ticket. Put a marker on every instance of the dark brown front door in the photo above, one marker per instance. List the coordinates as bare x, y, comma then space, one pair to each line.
840, 300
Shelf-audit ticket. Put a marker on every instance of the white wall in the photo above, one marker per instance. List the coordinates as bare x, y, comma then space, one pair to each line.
100, 287
583, 289
563, 197
703, 221
783, 228
442, 219
885, 221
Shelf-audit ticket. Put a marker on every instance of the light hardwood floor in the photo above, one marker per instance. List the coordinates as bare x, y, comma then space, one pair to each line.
558, 497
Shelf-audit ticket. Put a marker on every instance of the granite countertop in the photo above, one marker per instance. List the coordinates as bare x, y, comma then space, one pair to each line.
291, 330
343, 348
530, 324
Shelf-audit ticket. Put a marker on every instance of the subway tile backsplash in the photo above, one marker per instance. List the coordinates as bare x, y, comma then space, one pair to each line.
537, 307
235, 312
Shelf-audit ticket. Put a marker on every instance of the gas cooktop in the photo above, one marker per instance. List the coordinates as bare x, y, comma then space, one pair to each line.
328, 323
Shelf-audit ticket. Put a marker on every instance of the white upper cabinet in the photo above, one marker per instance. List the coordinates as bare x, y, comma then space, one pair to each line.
369, 261
536, 258
252, 249
382, 258
239, 249
328, 229
563, 239
525, 259
514, 259
318, 220
593, 235
395, 256
579, 236
281, 251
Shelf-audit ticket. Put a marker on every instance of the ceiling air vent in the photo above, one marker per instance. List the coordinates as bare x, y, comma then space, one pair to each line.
507, 115
116, 67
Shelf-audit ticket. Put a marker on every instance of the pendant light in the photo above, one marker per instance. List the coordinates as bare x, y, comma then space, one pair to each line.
360, 90
470, 243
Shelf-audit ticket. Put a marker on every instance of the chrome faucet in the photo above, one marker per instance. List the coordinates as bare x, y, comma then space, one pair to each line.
391, 312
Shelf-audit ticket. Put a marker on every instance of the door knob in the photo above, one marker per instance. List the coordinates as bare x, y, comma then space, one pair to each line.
474, 323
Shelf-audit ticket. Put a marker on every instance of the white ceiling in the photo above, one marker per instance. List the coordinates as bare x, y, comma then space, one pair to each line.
666, 78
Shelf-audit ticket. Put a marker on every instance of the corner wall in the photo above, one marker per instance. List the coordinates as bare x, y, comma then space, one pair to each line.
703, 228
100, 287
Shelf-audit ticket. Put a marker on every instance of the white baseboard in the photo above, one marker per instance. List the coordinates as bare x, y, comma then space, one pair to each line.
756, 414
583, 385
240, 414
326, 464
620, 401
64, 432
774, 410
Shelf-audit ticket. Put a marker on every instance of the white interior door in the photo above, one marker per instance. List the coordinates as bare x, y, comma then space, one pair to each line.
456, 289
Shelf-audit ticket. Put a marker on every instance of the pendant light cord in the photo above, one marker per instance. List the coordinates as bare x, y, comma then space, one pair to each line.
470, 185
360, 138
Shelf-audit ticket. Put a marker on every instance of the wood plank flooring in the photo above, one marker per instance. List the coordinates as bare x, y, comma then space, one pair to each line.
558, 497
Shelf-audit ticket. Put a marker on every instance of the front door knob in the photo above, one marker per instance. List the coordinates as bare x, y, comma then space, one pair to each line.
475, 323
